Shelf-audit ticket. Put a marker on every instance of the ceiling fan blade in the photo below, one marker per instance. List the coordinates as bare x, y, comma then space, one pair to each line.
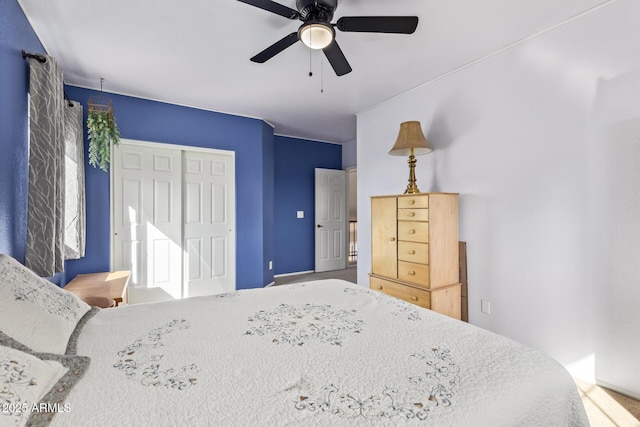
378, 24
273, 7
337, 59
275, 48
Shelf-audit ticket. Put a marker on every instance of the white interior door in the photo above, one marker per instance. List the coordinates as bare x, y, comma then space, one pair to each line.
331, 219
209, 224
147, 221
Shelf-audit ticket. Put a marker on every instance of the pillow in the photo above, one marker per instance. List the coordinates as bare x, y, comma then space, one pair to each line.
33, 386
34, 311
72, 345
7, 341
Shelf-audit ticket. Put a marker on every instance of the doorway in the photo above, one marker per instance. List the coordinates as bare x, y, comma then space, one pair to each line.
352, 214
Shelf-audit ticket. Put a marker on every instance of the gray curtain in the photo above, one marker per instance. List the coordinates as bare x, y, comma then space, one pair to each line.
45, 212
74, 210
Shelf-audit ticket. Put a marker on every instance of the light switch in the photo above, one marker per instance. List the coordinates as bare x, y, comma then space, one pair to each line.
300, 214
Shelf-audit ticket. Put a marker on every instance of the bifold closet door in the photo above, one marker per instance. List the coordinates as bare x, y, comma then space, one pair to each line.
147, 223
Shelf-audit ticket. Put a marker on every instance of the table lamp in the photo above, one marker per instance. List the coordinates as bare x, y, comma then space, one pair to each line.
410, 142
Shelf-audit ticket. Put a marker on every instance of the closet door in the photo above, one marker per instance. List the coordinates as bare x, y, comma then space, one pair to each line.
147, 222
209, 224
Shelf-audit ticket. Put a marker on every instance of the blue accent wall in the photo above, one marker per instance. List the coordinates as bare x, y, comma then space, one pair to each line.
145, 120
295, 161
16, 35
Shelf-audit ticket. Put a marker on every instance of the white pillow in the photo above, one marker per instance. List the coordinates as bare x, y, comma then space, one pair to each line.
34, 386
34, 311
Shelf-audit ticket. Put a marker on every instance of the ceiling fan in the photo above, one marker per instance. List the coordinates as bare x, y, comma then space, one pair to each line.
317, 32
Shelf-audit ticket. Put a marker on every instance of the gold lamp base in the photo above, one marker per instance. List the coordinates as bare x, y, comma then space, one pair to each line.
412, 187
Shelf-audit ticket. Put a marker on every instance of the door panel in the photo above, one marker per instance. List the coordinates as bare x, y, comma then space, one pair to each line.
210, 213
194, 258
331, 221
147, 219
193, 210
219, 259
131, 250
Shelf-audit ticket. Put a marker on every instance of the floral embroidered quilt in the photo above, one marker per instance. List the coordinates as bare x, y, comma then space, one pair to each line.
323, 353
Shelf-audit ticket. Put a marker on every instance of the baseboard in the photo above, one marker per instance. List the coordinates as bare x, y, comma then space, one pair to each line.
270, 284
617, 389
294, 274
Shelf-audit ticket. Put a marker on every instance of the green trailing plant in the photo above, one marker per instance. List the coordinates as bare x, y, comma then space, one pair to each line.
103, 133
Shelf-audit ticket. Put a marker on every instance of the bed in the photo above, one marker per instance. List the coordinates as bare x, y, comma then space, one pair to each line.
324, 353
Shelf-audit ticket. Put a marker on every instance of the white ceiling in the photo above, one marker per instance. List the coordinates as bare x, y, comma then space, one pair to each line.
196, 53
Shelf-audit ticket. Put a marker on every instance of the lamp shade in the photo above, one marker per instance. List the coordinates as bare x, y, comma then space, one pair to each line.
410, 136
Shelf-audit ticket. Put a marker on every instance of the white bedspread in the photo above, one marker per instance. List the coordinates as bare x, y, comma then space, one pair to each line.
323, 353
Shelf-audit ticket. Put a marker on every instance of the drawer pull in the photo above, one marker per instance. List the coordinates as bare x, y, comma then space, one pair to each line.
412, 202
412, 231
412, 273
412, 252
393, 239
380, 287
414, 298
412, 214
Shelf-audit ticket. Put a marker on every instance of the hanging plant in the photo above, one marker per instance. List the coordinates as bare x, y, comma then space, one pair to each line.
103, 133
103, 130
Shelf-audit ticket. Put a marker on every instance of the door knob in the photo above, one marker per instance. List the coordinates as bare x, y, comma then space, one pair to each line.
319, 226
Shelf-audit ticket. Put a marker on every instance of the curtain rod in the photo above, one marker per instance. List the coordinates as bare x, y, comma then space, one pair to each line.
40, 58
43, 59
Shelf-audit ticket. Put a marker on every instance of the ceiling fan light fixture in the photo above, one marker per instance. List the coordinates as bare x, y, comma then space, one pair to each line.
316, 35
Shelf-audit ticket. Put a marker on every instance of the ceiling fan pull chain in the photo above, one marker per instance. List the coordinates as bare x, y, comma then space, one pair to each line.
321, 76
310, 72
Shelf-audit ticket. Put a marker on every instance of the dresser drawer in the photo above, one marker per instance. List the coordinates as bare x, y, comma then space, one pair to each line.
413, 214
413, 252
413, 201
414, 273
413, 231
407, 293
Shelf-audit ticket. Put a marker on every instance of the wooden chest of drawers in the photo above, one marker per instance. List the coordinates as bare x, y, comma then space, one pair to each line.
414, 241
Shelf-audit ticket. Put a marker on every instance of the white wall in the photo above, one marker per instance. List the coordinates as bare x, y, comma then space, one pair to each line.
547, 163
349, 154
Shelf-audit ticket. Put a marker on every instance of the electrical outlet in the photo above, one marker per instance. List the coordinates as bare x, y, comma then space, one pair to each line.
485, 306
270, 265
300, 214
